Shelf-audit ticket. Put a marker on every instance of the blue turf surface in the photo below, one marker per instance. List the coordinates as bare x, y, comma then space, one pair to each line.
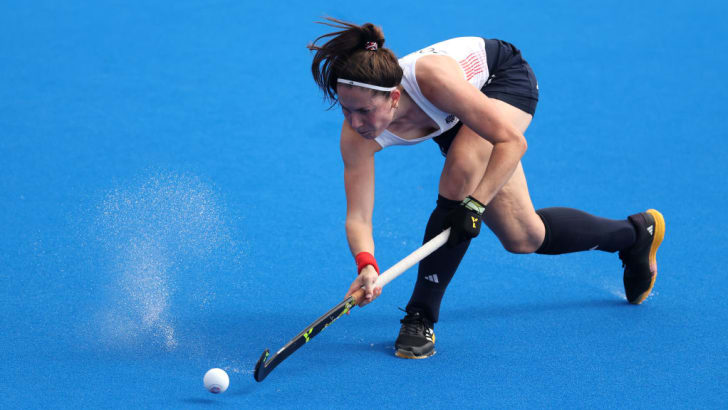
171, 200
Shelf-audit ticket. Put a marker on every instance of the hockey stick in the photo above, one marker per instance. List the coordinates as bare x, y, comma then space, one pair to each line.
265, 365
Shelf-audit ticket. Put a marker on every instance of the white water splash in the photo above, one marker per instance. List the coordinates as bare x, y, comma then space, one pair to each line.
155, 233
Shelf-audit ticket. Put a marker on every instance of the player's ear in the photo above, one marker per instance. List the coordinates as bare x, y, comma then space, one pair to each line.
395, 95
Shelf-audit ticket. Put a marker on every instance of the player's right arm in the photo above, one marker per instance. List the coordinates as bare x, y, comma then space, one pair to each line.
357, 153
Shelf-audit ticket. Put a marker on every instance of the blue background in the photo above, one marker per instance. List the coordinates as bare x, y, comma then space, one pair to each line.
171, 200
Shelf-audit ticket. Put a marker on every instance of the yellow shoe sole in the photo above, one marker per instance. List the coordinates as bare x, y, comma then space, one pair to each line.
409, 355
657, 238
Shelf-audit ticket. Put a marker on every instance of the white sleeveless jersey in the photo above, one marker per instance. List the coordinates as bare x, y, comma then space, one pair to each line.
469, 52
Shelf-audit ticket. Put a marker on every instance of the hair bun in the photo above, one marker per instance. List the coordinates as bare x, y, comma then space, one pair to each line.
372, 33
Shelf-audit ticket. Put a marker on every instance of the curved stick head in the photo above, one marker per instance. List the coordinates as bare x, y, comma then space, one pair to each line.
260, 368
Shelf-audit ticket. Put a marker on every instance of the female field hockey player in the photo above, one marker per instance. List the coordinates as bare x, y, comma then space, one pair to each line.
475, 98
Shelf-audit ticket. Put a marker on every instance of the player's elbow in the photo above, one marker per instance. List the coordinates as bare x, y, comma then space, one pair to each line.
357, 223
522, 144
515, 140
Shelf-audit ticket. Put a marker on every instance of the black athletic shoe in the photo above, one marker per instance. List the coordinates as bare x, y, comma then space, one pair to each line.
416, 337
640, 261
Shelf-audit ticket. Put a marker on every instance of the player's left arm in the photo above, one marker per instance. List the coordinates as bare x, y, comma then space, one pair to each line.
442, 82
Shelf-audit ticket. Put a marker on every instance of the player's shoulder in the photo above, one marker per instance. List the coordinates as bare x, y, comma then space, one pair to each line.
439, 62
436, 73
435, 65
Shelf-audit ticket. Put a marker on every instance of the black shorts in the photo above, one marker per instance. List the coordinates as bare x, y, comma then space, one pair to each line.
511, 81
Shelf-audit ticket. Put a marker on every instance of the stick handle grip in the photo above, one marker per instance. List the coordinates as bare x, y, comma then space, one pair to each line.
410, 260
358, 296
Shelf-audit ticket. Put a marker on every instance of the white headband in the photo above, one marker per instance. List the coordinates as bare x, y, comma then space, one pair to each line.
365, 85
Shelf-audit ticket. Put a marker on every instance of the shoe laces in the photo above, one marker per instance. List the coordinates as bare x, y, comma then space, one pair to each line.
413, 324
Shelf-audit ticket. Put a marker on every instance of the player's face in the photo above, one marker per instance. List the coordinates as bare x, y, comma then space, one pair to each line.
368, 113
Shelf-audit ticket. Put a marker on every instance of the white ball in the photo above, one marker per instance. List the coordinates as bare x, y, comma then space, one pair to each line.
216, 380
